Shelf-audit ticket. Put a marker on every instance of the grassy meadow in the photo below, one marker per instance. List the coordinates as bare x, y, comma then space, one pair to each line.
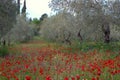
44, 60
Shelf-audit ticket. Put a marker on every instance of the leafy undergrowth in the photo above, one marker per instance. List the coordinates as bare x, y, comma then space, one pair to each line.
43, 61
3, 51
99, 46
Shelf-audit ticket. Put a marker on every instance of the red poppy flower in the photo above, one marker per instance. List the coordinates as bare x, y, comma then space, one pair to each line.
41, 71
27, 77
78, 77
66, 78
73, 78
48, 78
26, 66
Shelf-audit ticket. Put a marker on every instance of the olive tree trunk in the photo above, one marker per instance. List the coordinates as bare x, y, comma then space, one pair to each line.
106, 31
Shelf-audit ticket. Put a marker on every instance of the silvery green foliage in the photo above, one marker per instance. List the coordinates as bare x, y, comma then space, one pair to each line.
87, 16
58, 27
115, 33
7, 16
22, 30
91, 15
87, 31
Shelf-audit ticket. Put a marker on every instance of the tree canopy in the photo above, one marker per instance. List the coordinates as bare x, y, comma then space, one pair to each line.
93, 13
7, 15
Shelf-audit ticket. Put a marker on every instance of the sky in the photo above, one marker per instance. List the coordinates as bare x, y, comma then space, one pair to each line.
35, 8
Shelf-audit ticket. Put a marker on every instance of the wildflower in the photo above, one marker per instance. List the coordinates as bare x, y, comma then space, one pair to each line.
94, 79
26, 66
48, 78
27, 77
41, 71
16, 78
99, 72
18, 62
78, 77
83, 68
35, 69
115, 72
73, 78
66, 78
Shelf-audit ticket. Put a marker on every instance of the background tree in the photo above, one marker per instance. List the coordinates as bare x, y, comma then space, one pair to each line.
43, 16
21, 32
7, 16
59, 28
24, 7
38, 23
18, 6
94, 14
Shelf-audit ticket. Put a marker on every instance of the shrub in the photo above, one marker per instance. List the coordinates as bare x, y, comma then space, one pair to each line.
21, 32
3, 51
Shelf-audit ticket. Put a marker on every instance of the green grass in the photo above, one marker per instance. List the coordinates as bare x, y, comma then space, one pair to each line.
39, 45
4, 51
99, 46
78, 46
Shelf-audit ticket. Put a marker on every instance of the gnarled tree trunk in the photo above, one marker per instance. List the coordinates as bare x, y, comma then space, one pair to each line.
79, 35
67, 39
106, 31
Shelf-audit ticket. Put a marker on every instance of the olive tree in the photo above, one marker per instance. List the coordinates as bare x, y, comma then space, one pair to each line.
7, 16
21, 32
59, 27
97, 15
